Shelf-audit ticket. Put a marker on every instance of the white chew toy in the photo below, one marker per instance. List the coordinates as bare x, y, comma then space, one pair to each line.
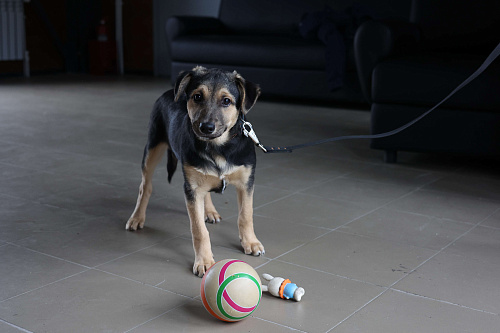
282, 288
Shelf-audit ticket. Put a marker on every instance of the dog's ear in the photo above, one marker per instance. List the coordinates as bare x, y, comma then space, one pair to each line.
181, 84
249, 92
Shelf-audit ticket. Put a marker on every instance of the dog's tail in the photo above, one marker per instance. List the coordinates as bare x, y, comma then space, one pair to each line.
171, 164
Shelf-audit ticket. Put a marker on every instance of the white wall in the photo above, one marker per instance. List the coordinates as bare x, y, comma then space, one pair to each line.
163, 9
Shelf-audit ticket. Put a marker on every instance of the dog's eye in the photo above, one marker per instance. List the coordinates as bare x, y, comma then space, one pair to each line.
226, 101
197, 97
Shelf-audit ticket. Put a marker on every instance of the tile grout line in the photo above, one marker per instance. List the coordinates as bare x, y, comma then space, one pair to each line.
443, 301
291, 194
406, 275
49, 255
329, 273
445, 247
278, 324
45, 285
133, 252
87, 268
15, 326
375, 209
340, 226
139, 282
358, 310
158, 316
327, 180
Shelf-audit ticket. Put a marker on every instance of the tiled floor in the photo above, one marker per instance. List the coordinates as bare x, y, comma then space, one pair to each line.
411, 247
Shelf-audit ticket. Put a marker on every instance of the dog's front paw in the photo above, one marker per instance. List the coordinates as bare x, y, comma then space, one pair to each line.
212, 216
201, 266
253, 247
135, 223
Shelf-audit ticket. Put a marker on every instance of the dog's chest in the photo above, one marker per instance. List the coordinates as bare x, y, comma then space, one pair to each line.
216, 165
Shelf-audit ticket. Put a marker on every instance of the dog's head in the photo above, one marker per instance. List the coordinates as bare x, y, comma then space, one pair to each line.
214, 100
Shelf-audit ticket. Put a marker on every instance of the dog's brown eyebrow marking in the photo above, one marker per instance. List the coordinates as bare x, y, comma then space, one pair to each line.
223, 92
203, 90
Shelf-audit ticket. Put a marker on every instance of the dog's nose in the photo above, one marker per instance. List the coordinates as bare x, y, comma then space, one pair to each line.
207, 128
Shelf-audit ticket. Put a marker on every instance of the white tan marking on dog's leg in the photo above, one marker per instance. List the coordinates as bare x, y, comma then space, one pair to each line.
211, 214
196, 190
138, 217
249, 242
203, 257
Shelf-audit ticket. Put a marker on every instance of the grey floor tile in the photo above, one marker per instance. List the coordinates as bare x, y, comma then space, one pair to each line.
262, 196
70, 175
309, 163
94, 199
398, 312
192, 317
480, 244
492, 221
92, 301
408, 228
108, 172
24, 270
443, 164
456, 279
285, 178
313, 210
39, 159
22, 218
40, 185
398, 175
276, 238
368, 194
6, 327
96, 241
482, 188
169, 265
362, 258
166, 215
328, 299
359, 152
9, 171
457, 207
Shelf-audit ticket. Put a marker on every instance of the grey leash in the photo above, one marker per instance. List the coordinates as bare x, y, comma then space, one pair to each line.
249, 132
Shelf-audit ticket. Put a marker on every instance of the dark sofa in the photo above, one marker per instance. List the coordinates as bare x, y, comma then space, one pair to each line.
261, 40
407, 67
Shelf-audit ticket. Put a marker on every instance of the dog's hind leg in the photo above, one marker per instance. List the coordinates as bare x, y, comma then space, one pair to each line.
152, 156
211, 214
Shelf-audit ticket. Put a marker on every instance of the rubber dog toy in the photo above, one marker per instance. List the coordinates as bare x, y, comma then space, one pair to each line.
283, 288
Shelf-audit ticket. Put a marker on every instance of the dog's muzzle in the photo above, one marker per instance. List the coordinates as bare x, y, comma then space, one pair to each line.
207, 128
207, 131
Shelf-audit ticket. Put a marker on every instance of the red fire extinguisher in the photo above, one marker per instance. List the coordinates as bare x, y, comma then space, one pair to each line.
102, 51
102, 31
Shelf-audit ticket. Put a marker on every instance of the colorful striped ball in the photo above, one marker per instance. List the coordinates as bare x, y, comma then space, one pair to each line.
231, 290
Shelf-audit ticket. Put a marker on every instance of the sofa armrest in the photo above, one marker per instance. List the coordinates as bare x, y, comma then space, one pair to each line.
185, 25
376, 40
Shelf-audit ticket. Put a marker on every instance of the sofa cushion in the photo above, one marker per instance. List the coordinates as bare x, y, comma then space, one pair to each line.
426, 79
246, 50
264, 16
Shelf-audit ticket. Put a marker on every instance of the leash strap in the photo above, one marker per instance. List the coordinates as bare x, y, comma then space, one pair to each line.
491, 57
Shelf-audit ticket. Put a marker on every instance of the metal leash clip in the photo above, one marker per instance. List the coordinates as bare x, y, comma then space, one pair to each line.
250, 133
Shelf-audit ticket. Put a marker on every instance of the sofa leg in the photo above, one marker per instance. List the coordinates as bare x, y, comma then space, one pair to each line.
390, 156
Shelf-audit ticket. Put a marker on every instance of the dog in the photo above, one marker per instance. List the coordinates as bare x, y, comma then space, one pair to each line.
199, 124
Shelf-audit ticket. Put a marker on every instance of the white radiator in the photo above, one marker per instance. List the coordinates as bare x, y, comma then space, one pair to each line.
12, 32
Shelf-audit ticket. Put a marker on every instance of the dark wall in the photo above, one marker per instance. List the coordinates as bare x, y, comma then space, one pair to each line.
138, 36
58, 34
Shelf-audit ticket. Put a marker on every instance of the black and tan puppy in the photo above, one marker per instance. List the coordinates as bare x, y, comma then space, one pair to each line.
198, 123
